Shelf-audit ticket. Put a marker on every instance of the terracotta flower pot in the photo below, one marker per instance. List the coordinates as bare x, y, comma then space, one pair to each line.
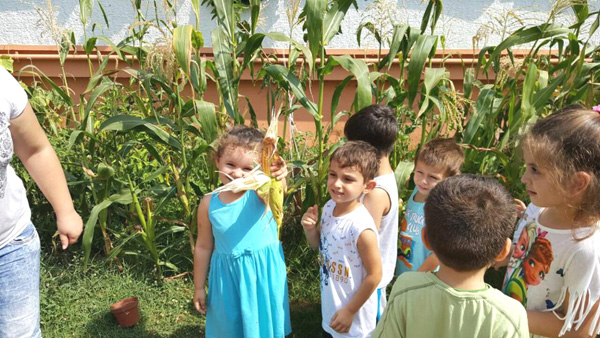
126, 311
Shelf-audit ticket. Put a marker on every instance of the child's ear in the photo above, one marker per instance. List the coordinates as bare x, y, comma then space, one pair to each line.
370, 186
579, 183
424, 238
505, 251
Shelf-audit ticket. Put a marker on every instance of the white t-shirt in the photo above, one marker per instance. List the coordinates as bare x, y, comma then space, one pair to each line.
14, 208
342, 271
541, 277
388, 229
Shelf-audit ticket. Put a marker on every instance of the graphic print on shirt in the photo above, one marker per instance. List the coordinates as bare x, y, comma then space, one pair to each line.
405, 246
323, 248
6, 150
529, 264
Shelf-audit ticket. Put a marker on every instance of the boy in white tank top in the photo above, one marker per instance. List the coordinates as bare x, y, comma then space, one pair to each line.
346, 237
378, 126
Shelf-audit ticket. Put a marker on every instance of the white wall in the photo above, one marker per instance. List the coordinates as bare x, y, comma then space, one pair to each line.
461, 20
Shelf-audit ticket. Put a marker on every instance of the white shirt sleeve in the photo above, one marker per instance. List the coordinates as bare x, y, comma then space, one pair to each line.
582, 282
13, 92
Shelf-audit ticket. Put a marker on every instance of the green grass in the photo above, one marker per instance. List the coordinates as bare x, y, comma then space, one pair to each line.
76, 304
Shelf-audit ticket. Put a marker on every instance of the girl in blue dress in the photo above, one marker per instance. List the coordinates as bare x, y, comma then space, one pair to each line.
237, 239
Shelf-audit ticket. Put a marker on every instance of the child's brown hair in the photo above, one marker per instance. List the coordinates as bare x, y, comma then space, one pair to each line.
565, 143
442, 152
468, 221
239, 136
358, 154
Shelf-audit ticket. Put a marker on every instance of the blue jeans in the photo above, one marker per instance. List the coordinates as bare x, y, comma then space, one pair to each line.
20, 286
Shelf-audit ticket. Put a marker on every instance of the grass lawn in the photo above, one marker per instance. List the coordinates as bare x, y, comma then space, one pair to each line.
76, 304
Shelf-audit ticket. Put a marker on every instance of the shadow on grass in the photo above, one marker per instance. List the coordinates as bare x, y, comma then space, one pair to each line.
306, 319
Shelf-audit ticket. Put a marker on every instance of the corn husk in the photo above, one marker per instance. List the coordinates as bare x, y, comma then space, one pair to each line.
253, 181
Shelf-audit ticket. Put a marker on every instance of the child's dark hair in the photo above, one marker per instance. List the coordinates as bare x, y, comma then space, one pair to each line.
442, 152
565, 143
376, 125
239, 136
468, 220
358, 154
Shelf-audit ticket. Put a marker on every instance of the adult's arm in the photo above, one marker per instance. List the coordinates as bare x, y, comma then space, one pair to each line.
34, 150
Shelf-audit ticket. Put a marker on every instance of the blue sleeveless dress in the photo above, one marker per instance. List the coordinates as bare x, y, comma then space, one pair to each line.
247, 283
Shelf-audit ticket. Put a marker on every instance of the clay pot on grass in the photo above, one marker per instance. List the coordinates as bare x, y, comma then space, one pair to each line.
126, 311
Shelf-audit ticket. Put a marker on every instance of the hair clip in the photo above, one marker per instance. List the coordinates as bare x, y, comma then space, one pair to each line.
596, 108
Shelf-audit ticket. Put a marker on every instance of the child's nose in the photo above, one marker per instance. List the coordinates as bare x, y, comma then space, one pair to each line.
237, 173
337, 183
525, 177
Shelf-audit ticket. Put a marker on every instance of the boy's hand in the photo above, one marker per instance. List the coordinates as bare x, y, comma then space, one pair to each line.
279, 169
310, 218
200, 300
342, 320
520, 207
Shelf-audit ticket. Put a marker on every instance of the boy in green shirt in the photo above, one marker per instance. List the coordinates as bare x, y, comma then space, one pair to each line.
469, 221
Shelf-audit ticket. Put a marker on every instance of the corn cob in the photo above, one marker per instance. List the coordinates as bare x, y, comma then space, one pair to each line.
269, 155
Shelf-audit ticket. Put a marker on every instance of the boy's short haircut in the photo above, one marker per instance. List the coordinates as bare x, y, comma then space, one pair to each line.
358, 154
376, 125
442, 152
468, 219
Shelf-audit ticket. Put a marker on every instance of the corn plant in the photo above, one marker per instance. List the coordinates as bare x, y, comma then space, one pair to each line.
527, 89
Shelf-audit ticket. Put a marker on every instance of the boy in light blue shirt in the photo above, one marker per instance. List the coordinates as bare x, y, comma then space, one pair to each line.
437, 160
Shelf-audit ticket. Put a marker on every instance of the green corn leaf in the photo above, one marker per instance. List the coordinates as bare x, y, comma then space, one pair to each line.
371, 28
225, 16
196, 9
254, 13
525, 35
96, 94
124, 197
208, 120
104, 14
64, 95
400, 35
529, 87
254, 44
182, 46
468, 81
224, 66
288, 80
117, 249
402, 173
595, 25
423, 47
333, 18
123, 123
433, 76
360, 70
486, 105
337, 93
426, 16
315, 15
581, 10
